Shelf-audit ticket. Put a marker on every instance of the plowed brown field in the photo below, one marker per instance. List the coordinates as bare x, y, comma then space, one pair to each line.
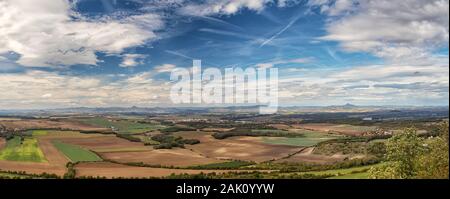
110, 170
237, 148
166, 157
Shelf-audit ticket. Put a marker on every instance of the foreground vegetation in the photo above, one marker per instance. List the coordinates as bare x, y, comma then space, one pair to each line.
410, 156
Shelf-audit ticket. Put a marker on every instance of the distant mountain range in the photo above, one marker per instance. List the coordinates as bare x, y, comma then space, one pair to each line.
211, 110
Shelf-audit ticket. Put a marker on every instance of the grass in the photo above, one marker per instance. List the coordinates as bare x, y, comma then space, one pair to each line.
39, 132
76, 153
122, 126
25, 151
268, 130
350, 173
309, 138
147, 140
361, 175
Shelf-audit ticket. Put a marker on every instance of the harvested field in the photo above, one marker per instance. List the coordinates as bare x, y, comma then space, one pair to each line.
105, 143
32, 167
123, 126
111, 170
237, 148
48, 124
8, 118
166, 157
337, 128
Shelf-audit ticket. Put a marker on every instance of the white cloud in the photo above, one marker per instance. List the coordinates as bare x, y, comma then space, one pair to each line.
403, 33
222, 7
288, 61
131, 60
141, 78
37, 89
49, 33
334, 7
368, 85
165, 68
47, 95
395, 30
288, 3
377, 84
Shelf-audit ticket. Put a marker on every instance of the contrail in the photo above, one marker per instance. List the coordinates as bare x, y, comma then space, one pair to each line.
212, 19
281, 31
227, 33
187, 57
179, 54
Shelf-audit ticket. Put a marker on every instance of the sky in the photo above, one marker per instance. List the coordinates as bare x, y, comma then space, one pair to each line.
105, 53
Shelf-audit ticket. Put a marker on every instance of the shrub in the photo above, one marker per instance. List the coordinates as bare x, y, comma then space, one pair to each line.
128, 137
191, 141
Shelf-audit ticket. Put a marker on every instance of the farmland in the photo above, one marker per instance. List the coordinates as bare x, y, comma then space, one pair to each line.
123, 126
76, 153
197, 145
308, 138
344, 129
26, 150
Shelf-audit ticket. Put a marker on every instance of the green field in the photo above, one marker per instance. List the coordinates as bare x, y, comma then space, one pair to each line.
26, 151
76, 153
350, 173
310, 138
269, 131
361, 175
122, 126
39, 132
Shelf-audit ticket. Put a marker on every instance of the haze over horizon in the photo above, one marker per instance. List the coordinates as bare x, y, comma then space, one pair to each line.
108, 53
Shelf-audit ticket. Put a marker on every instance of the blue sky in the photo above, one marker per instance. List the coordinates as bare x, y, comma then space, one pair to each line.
97, 53
232, 40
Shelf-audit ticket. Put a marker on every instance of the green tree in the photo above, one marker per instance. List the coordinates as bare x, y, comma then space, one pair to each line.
434, 162
409, 156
